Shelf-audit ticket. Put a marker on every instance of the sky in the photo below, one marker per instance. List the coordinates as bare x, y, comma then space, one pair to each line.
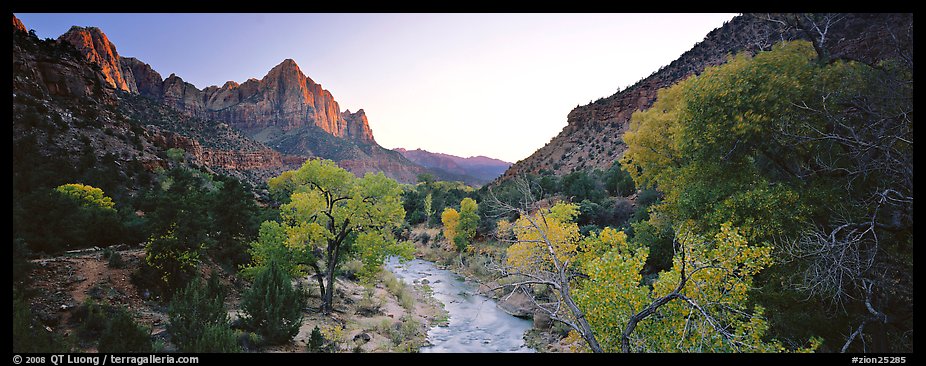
498, 85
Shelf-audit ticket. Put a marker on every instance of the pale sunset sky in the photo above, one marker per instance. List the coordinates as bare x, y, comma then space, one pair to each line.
498, 85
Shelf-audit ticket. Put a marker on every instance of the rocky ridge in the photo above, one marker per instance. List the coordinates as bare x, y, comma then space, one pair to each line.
285, 110
67, 108
476, 169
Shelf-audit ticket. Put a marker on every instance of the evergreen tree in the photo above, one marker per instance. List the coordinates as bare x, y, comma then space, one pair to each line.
273, 306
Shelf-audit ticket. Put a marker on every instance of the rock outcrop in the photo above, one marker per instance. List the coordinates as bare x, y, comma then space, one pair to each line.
357, 126
18, 25
183, 96
148, 82
213, 157
97, 48
285, 98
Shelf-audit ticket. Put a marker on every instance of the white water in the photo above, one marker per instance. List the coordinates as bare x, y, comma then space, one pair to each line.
476, 323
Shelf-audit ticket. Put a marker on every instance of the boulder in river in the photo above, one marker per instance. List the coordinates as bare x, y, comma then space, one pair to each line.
542, 320
518, 305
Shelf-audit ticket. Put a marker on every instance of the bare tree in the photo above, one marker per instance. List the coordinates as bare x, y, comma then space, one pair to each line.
863, 138
559, 278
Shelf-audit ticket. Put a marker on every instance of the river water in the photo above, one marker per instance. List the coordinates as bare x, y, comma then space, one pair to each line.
476, 324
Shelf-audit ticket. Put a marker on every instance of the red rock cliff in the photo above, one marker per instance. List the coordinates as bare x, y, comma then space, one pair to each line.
284, 98
97, 48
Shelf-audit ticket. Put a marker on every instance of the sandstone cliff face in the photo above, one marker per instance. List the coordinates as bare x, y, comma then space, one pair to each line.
357, 126
225, 159
97, 48
58, 75
183, 96
287, 99
592, 137
18, 25
80, 114
147, 81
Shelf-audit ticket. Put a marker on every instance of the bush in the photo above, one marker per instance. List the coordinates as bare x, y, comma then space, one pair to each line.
316, 340
216, 338
93, 319
404, 330
29, 336
197, 310
619, 182
173, 262
123, 335
114, 259
273, 307
588, 229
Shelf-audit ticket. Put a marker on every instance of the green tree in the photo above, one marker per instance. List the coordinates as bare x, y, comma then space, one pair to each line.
428, 211
813, 157
172, 260
196, 310
67, 217
618, 182
123, 335
273, 306
330, 215
217, 338
233, 214
469, 221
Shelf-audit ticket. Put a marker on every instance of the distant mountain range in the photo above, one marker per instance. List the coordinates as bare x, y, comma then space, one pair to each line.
475, 169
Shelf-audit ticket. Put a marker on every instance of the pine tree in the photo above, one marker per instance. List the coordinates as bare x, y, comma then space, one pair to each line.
273, 307
199, 320
123, 335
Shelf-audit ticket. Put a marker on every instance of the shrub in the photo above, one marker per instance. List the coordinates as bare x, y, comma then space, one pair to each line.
123, 335
173, 261
92, 318
29, 336
216, 338
197, 309
273, 307
316, 340
114, 259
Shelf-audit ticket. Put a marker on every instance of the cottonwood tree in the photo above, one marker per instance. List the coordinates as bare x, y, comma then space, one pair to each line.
331, 215
450, 218
701, 304
815, 157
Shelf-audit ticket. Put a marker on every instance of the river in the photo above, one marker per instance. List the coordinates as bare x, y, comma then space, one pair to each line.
476, 324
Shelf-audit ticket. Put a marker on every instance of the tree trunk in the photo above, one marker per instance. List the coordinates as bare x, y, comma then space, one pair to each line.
329, 277
586, 329
320, 276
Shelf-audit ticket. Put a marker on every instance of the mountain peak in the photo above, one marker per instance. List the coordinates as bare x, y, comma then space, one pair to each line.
96, 48
288, 66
